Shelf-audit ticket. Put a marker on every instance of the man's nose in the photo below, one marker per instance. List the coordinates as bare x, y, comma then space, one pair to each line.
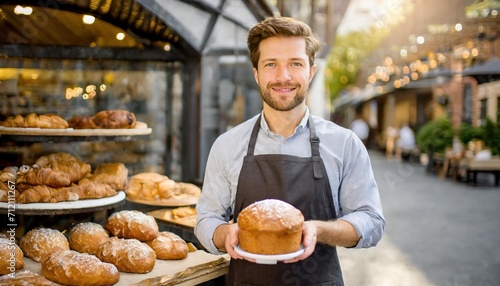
283, 74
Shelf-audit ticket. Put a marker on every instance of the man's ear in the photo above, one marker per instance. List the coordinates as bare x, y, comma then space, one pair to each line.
312, 72
256, 75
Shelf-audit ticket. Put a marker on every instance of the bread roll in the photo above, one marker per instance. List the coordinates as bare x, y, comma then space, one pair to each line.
270, 227
169, 245
132, 224
11, 256
149, 186
26, 277
128, 255
69, 267
87, 237
81, 122
114, 119
40, 242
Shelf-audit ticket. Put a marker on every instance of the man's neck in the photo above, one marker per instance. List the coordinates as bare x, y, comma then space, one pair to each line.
284, 122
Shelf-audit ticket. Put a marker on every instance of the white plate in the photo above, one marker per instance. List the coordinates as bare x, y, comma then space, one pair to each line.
268, 259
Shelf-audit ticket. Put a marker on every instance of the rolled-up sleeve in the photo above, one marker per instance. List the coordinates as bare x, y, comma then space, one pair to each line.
359, 198
213, 207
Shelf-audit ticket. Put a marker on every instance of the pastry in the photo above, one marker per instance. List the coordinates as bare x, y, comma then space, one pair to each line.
87, 237
132, 224
45, 194
148, 186
8, 178
114, 119
169, 245
128, 255
33, 120
66, 163
270, 227
34, 175
40, 242
81, 122
11, 256
69, 267
113, 174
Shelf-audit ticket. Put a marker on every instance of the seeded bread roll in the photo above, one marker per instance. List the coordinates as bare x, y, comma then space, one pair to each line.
270, 227
87, 237
69, 267
40, 242
132, 224
128, 255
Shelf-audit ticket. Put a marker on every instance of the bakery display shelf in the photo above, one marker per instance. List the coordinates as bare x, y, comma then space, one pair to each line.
60, 208
70, 134
172, 202
200, 266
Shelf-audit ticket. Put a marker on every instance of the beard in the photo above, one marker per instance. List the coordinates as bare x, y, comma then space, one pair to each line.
276, 102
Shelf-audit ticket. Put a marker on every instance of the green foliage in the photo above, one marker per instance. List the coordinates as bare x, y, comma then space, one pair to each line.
468, 133
491, 137
435, 135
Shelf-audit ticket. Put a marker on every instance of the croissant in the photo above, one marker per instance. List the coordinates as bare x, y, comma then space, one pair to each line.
32, 120
8, 177
114, 174
45, 194
65, 163
35, 175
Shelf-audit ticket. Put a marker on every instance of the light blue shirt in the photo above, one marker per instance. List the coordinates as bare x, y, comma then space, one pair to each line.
354, 189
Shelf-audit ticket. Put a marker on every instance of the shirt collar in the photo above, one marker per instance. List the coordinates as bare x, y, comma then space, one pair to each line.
301, 127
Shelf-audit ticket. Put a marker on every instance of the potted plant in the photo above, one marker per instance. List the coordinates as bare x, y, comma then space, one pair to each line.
434, 137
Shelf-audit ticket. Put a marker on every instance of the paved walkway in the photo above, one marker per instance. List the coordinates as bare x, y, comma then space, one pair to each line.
439, 232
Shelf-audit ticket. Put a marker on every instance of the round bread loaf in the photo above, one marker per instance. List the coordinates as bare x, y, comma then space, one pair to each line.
168, 246
87, 237
128, 255
132, 224
39, 242
11, 256
270, 227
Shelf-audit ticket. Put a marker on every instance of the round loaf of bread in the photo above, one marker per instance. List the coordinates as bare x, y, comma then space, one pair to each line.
40, 242
270, 227
128, 255
69, 267
132, 224
87, 237
11, 256
168, 246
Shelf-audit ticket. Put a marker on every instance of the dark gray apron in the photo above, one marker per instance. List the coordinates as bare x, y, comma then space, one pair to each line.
302, 182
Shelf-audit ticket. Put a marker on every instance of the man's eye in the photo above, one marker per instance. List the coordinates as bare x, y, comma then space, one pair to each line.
269, 65
297, 64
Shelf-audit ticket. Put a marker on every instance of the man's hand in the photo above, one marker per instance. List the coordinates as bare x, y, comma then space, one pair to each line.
309, 239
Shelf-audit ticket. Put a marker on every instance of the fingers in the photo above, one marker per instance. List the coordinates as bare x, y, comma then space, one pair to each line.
232, 241
309, 240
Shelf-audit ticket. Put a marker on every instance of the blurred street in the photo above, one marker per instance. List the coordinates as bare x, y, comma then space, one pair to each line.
439, 232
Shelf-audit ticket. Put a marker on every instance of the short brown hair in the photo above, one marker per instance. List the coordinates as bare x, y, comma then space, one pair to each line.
279, 26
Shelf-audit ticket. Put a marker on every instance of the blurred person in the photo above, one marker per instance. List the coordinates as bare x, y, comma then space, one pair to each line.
406, 141
360, 128
286, 153
391, 135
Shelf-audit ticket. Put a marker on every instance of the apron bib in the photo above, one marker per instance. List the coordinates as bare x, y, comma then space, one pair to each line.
302, 182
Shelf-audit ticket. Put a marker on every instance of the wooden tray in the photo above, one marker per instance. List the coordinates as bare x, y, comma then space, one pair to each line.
143, 130
174, 202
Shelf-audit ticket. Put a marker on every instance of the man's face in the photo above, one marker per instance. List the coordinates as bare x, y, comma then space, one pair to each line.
283, 73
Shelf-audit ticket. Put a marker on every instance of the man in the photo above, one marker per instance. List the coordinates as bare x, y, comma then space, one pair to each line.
286, 153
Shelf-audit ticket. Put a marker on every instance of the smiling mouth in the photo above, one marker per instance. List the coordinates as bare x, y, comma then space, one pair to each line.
283, 89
